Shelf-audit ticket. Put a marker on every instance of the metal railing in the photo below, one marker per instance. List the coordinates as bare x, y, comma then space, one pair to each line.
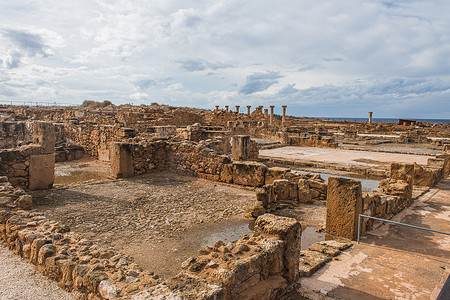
32, 103
398, 223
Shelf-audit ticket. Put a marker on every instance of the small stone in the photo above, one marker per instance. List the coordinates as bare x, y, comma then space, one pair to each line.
108, 290
24, 202
218, 244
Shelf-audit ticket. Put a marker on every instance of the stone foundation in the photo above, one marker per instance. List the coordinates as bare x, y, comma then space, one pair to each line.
258, 266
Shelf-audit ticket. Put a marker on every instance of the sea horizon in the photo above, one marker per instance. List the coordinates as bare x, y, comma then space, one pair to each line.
385, 120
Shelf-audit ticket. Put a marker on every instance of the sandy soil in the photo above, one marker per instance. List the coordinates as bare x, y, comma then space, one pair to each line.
19, 280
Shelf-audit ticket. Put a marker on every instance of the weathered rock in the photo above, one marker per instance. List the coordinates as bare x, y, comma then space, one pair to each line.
25, 202
344, 205
275, 173
285, 190
108, 290
304, 192
249, 173
45, 251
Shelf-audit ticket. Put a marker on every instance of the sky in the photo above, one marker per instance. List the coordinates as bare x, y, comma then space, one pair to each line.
323, 58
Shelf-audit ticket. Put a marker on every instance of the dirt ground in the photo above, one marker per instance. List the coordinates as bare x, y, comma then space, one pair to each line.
147, 213
158, 219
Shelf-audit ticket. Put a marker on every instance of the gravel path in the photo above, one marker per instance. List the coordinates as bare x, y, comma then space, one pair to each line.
19, 280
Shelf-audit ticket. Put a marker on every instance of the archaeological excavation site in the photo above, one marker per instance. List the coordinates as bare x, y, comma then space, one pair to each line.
162, 202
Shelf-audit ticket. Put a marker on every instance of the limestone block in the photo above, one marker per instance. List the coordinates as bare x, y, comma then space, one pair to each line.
304, 192
45, 251
122, 160
288, 230
435, 162
104, 155
35, 247
249, 173
394, 187
44, 135
92, 279
66, 267
25, 202
265, 195
423, 176
226, 173
239, 147
285, 190
108, 290
51, 268
402, 171
344, 205
269, 289
41, 171
275, 173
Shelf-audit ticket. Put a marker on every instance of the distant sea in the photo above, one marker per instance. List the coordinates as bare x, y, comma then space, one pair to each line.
387, 120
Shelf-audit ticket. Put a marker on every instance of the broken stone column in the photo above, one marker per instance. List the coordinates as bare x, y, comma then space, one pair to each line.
227, 108
344, 205
370, 117
42, 164
217, 107
237, 109
271, 114
283, 120
266, 113
248, 109
239, 147
121, 160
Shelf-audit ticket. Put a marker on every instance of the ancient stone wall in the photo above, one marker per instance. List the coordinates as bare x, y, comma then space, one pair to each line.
76, 264
11, 133
31, 166
258, 266
283, 188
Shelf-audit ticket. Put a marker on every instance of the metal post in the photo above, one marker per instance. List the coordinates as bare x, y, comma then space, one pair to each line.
398, 223
359, 227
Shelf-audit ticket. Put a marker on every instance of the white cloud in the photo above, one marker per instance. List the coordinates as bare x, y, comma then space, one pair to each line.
310, 55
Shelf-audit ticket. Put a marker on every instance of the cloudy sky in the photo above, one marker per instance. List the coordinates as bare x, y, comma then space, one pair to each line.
321, 58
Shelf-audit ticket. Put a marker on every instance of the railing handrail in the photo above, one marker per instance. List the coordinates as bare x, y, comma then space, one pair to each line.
398, 223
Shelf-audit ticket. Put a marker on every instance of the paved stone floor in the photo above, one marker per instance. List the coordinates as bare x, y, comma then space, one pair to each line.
392, 261
364, 158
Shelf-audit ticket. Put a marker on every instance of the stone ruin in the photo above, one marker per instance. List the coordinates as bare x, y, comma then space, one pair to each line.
217, 146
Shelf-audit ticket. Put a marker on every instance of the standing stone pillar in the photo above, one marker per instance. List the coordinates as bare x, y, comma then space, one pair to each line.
266, 113
248, 109
344, 205
283, 120
237, 109
370, 117
271, 114
239, 147
227, 108
217, 107
41, 170
121, 160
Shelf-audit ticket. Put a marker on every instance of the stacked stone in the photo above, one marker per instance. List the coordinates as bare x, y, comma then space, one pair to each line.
14, 164
257, 266
283, 188
77, 264
11, 133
